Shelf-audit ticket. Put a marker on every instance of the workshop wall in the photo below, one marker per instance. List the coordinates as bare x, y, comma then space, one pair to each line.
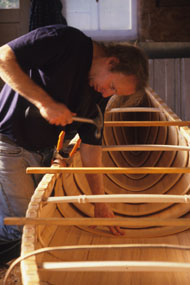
164, 20
163, 29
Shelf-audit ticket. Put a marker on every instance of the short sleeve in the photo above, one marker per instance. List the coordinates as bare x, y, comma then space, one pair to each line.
44, 46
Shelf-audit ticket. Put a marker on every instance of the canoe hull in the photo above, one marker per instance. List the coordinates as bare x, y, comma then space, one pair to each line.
145, 243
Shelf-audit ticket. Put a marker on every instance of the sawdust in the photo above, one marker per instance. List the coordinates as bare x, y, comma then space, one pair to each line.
15, 275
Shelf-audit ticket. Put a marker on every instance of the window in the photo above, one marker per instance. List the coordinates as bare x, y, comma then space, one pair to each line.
9, 4
103, 19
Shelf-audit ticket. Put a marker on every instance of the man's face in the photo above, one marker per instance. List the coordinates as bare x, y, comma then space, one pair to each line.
109, 83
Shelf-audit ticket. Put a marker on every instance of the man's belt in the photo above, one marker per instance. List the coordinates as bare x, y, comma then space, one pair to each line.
6, 139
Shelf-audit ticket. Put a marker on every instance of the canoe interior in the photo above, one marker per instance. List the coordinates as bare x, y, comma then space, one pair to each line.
76, 184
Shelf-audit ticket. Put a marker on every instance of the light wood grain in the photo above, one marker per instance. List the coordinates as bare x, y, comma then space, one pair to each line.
114, 170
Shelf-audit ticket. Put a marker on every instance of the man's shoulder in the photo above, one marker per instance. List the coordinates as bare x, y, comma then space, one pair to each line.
59, 30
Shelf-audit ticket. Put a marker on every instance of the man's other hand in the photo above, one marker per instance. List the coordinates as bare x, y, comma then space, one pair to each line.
103, 210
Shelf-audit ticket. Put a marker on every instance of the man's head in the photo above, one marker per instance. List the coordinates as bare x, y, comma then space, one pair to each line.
121, 70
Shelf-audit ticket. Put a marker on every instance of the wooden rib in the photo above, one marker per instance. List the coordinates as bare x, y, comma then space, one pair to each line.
116, 170
111, 134
145, 123
98, 221
140, 198
87, 210
154, 135
114, 136
129, 159
69, 210
117, 266
144, 147
153, 209
134, 109
144, 183
172, 159
123, 208
78, 210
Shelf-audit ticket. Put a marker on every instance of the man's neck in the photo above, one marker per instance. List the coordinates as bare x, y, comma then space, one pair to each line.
98, 50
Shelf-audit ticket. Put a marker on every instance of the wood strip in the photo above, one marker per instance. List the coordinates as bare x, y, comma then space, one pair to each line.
145, 147
128, 198
98, 221
119, 266
134, 109
145, 123
114, 170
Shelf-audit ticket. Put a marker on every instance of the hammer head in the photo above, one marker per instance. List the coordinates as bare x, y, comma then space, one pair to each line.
99, 122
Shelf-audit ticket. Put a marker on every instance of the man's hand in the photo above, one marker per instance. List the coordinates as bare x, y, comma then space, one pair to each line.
57, 114
103, 210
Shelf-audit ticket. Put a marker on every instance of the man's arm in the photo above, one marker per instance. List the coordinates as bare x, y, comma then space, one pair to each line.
91, 156
11, 73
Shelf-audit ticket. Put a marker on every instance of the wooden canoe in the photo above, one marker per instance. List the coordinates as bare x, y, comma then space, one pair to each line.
147, 171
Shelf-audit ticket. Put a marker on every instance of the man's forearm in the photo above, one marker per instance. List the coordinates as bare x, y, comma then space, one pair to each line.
95, 182
10, 71
92, 157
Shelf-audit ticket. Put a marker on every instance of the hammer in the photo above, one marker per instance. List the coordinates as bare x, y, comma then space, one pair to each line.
98, 122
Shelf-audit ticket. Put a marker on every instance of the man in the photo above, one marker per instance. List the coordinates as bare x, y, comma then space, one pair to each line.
52, 74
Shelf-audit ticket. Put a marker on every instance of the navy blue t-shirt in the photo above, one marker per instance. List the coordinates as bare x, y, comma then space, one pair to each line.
57, 58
